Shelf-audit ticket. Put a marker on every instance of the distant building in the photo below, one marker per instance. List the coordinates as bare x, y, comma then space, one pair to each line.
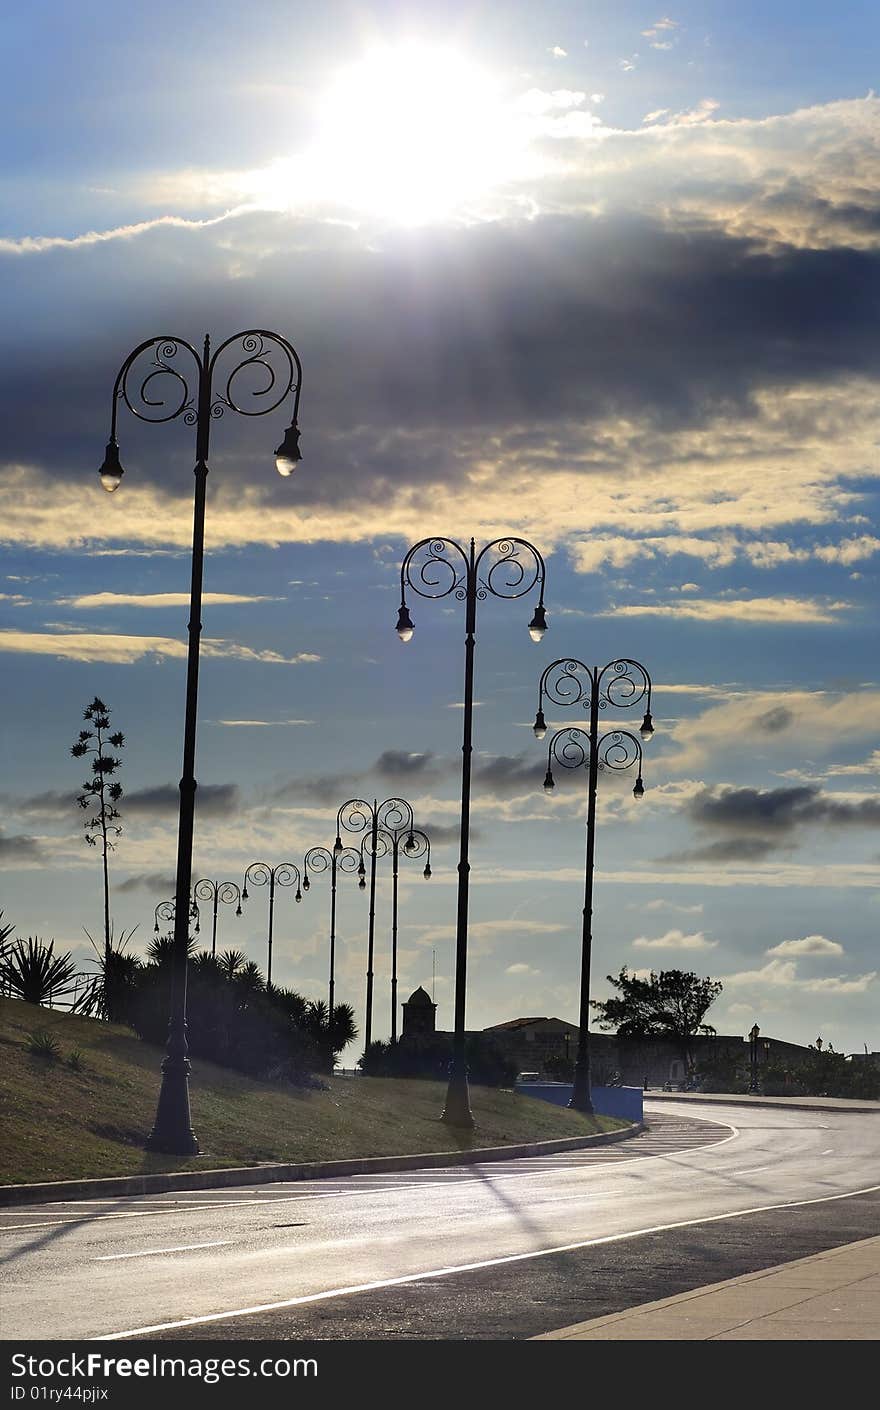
530, 1042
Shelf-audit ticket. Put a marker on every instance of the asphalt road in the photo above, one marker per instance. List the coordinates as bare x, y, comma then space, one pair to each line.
500, 1251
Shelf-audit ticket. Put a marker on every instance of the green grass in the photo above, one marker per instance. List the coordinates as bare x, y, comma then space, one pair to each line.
61, 1122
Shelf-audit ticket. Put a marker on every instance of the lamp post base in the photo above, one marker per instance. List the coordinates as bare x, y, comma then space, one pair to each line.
580, 1092
172, 1132
457, 1111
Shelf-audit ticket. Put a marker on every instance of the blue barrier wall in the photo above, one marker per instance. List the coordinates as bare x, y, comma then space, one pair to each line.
625, 1102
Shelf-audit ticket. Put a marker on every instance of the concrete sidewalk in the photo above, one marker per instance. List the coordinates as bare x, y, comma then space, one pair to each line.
832, 1296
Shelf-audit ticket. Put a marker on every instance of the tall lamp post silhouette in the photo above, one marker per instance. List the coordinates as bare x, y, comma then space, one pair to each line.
436, 568
622, 683
319, 860
416, 844
358, 816
164, 393
216, 891
282, 874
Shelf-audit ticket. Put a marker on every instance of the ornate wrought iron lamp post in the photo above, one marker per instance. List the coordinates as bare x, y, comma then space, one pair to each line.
165, 911
415, 844
622, 683
390, 816
166, 393
434, 568
282, 874
216, 891
318, 860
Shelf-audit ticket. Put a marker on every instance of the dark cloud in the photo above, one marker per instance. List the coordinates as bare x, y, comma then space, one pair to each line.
729, 849
779, 810
757, 822
51, 804
212, 800
499, 326
20, 849
775, 720
153, 881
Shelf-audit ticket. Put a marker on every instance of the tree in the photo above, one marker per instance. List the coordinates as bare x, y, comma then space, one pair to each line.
101, 792
671, 1004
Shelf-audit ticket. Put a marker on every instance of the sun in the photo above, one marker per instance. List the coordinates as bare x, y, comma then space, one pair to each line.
412, 132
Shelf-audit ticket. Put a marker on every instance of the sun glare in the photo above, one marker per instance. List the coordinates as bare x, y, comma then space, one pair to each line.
412, 132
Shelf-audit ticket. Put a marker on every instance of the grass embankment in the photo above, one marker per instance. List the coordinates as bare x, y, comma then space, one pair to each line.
62, 1124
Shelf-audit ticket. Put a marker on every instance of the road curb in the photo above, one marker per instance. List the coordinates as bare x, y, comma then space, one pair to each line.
308, 1170
785, 1103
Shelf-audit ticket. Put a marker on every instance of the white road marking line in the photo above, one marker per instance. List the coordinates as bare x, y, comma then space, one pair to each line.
149, 1252
831, 1152
472, 1267
183, 1206
756, 1171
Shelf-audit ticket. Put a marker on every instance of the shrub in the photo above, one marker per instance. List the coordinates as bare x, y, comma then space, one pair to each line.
42, 1045
34, 972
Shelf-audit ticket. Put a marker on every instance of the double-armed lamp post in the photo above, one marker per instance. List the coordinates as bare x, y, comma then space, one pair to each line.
322, 859
282, 874
250, 373
416, 844
393, 815
436, 568
623, 684
216, 891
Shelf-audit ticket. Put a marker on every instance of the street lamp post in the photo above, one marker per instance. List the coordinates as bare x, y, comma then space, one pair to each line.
623, 683
390, 816
436, 568
165, 911
164, 394
753, 1057
215, 891
282, 874
416, 844
318, 860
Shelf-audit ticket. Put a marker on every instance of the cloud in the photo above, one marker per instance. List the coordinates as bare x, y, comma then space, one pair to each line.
156, 599
160, 883
558, 52
675, 940
768, 611
782, 974
809, 945
758, 822
664, 905
808, 723
522, 969
125, 650
212, 800
257, 724
15, 849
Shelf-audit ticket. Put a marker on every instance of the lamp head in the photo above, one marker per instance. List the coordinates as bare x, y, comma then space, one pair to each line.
362, 885
306, 883
549, 782
539, 728
647, 726
410, 845
405, 626
427, 872
111, 471
238, 910
538, 624
298, 897
639, 790
288, 454
244, 894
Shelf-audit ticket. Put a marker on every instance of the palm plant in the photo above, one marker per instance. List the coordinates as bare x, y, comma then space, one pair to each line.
34, 972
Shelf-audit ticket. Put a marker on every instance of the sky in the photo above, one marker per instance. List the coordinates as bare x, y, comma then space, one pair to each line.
602, 276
